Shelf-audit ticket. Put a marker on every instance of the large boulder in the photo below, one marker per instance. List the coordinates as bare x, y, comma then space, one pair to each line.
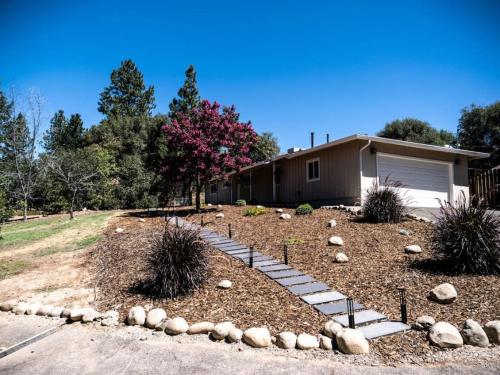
351, 341
201, 328
286, 340
444, 293
332, 329
33, 308
445, 335
257, 337
306, 341
423, 323
155, 317
473, 334
221, 330
492, 330
235, 335
176, 326
136, 316
20, 308
335, 241
8, 305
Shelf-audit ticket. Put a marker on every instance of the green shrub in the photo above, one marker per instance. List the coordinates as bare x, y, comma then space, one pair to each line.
240, 202
385, 204
304, 209
178, 264
254, 211
468, 236
293, 241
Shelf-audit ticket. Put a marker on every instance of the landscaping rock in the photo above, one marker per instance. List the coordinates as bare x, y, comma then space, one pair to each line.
136, 316
351, 341
306, 341
225, 284
404, 232
443, 294
176, 326
44, 310
219, 207
90, 315
423, 323
119, 230
445, 335
279, 210
413, 249
33, 308
209, 204
76, 314
492, 330
8, 305
341, 258
285, 216
155, 317
257, 337
219, 216
258, 206
201, 328
66, 313
325, 342
473, 334
56, 312
336, 241
221, 330
332, 329
235, 335
141, 220
110, 318
20, 308
332, 224
286, 340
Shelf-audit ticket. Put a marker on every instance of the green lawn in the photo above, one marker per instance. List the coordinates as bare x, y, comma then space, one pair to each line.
21, 234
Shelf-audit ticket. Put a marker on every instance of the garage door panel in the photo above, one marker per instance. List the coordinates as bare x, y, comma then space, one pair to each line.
423, 182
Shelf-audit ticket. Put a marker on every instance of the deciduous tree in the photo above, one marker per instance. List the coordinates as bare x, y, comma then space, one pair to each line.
266, 148
413, 130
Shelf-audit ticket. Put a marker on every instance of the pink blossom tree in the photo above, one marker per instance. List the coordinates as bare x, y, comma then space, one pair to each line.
206, 146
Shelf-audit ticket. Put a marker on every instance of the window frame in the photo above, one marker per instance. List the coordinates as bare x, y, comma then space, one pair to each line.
312, 161
216, 188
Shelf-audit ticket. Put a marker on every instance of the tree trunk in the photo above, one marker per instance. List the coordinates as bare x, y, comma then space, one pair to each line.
71, 215
25, 213
198, 198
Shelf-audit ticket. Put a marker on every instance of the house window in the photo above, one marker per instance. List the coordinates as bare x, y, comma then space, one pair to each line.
312, 170
213, 189
226, 185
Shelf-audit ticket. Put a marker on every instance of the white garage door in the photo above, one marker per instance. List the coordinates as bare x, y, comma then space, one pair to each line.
424, 182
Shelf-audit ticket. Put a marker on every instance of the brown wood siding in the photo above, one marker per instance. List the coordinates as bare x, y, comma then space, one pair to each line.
262, 184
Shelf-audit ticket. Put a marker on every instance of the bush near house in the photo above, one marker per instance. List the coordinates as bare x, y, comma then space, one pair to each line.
254, 211
178, 264
304, 209
468, 236
385, 204
240, 202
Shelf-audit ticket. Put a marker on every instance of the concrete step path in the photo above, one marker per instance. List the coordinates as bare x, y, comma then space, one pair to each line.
313, 292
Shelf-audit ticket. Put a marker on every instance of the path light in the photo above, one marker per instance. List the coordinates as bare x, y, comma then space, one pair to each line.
251, 257
402, 304
177, 221
230, 231
201, 220
285, 253
350, 313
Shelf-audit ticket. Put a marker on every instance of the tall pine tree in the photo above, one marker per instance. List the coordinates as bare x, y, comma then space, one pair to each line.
189, 97
127, 96
64, 134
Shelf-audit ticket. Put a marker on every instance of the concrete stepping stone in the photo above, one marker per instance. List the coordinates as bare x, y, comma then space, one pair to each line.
381, 329
296, 280
232, 247
339, 307
248, 255
276, 267
241, 250
302, 289
283, 273
360, 318
314, 299
262, 262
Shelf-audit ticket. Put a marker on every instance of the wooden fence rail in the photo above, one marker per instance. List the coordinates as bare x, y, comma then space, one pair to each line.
485, 184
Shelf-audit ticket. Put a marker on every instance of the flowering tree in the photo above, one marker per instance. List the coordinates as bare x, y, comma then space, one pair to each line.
206, 145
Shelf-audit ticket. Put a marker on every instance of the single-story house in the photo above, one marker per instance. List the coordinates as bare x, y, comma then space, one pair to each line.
341, 172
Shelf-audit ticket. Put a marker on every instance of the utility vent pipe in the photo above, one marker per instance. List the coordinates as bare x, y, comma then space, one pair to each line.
327, 138
312, 139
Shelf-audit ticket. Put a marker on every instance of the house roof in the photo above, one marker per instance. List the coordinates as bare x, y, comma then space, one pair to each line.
450, 150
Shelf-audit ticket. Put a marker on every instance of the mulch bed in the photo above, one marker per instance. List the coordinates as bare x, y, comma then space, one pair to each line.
377, 266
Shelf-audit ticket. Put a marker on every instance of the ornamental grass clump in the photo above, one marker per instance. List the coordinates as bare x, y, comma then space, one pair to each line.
178, 263
304, 209
467, 235
240, 202
254, 211
385, 204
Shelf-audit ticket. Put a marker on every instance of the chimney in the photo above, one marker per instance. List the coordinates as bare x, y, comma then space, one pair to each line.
312, 139
327, 138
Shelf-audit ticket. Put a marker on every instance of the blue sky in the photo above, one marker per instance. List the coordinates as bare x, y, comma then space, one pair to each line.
290, 67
